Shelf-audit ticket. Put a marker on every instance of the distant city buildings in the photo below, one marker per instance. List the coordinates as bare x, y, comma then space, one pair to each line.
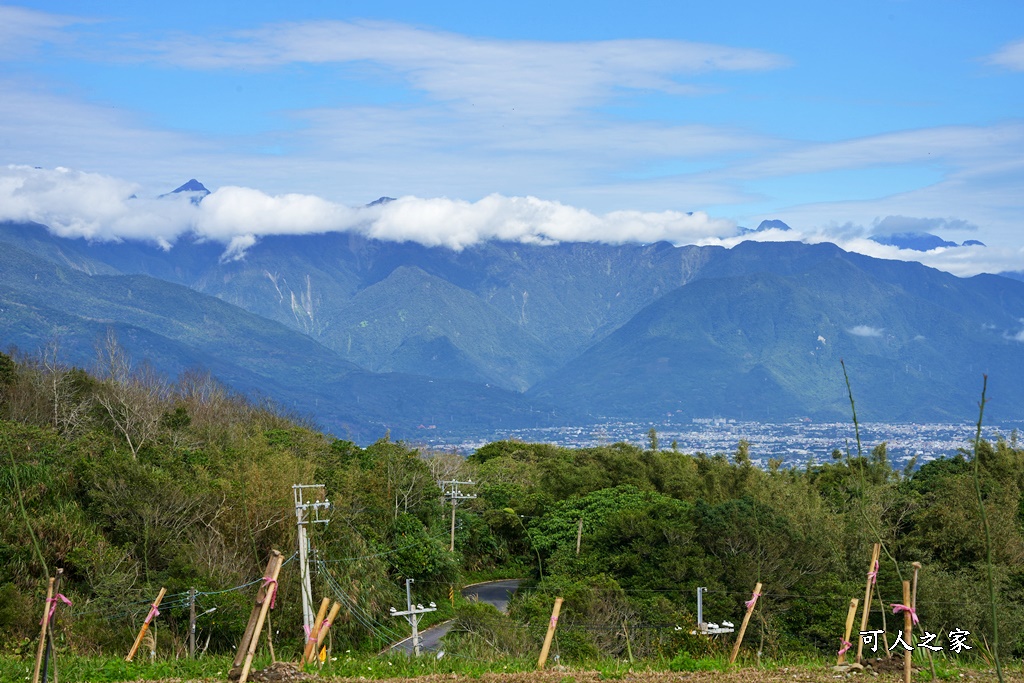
795, 443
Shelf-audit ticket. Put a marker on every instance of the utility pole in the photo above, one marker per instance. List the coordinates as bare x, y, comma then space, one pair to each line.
708, 629
452, 493
412, 615
302, 516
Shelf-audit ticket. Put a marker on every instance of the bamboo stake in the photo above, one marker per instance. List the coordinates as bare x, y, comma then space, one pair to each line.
867, 598
321, 635
49, 630
549, 636
261, 596
850, 616
751, 604
268, 599
42, 631
908, 628
311, 638
153, 611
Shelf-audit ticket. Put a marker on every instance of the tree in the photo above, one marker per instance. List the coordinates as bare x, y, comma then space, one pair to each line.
133, 399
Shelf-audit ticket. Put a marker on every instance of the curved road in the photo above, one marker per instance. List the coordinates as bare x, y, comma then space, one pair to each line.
496, 593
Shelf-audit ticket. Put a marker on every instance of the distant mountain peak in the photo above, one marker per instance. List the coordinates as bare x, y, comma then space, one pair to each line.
772, 224
192, 185
381, 200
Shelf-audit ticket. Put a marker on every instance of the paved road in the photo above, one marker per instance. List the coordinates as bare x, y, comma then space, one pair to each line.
496, 593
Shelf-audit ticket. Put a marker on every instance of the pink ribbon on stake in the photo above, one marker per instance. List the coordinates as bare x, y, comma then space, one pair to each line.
846, 646
267, 583
896, 609
153, 613
752, 601
874, 575
53, 606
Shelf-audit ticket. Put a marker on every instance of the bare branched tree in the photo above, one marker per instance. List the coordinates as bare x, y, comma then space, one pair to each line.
133, 399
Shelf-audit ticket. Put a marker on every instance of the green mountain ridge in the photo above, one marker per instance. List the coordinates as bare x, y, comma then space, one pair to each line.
586, 331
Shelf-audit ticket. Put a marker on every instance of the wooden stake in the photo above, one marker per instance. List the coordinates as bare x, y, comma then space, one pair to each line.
908, 630
321, 635
42, 631
550, 634
311, 638
261, 596
746, 620
850, 616
875, 552
268, 599
579, 536
145, 625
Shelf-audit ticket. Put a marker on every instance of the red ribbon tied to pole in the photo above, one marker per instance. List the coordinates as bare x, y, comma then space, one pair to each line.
267, 583
752, 601
896, 609
53, 606
846, 646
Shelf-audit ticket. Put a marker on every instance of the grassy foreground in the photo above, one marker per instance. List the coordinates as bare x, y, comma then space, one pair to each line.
458, 670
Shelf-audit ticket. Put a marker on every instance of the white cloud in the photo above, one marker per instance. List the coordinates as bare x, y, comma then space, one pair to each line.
98, 207
866, 331
532, 77
1010, 56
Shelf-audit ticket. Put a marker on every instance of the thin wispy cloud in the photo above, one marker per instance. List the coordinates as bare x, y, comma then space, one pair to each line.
534, 78
940, 145
24, 30
1010, 56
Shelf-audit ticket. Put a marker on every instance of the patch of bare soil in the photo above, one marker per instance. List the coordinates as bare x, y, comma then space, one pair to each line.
279, 672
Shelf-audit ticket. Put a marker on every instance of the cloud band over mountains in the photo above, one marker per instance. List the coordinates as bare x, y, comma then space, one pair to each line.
96, 207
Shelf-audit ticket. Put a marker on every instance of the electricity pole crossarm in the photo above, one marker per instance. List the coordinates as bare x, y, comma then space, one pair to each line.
454, 494
412, 615
308, 512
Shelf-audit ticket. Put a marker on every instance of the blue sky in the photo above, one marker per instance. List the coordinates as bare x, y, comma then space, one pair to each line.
527, 120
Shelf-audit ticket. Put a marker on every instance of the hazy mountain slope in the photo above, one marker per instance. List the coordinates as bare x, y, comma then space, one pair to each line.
766, 346
415, 322
174, 327
564, 296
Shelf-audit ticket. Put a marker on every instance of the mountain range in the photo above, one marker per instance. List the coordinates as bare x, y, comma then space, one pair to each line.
362, 335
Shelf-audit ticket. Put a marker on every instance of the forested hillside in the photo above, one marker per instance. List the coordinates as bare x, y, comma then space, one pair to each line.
131, 483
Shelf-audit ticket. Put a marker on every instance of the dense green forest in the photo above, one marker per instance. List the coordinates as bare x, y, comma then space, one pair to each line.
131, 482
